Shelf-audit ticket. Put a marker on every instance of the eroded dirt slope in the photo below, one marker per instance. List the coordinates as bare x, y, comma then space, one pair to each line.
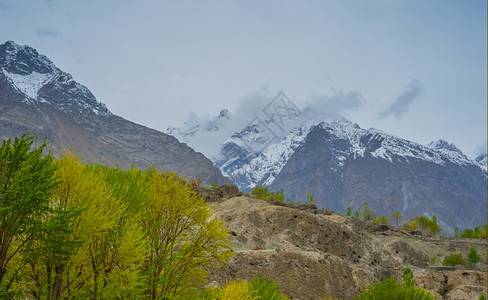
311, 255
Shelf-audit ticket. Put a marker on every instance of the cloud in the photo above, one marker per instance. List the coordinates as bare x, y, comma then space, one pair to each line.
402, 103
480, 149
338, 103
209, 136
46, 32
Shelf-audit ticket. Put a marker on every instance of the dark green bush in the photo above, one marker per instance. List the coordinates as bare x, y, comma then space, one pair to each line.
453, 260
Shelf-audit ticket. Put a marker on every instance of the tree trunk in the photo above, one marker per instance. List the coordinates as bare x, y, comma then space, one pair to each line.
49, 285
58, 279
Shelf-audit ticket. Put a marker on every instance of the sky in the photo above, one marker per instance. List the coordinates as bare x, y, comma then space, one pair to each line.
416, 69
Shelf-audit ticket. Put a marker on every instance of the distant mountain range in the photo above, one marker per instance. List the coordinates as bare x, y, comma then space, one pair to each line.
38, 97
344, 165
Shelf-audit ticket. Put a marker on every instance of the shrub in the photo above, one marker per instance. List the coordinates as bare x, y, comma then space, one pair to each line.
434, 259
442, 291
473, 256
453, 260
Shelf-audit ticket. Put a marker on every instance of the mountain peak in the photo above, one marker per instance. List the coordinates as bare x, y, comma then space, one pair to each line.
225, 113
37, 80
24, 60
444, 145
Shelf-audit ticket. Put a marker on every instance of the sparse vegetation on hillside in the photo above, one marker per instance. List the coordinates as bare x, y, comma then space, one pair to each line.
390, 288
479, 232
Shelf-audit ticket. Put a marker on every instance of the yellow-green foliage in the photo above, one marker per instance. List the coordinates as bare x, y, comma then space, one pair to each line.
258, 288
100, 249
94, 232
184, 238
423, 223
234, 290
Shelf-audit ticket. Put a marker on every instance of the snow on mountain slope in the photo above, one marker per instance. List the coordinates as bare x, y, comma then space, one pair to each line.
482, 161
29, 84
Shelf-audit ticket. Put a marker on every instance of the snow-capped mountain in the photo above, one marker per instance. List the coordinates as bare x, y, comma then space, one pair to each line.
189, 129
38, 80
482, 161
345, 165
38, 97
248, 168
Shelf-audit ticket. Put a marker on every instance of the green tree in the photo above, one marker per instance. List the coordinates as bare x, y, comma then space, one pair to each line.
456, 232
367, 213
396, 216
280, 197
356, 214
434, 219
473, 256
26, 184
453, 259
185, 240
309, 198
348, 213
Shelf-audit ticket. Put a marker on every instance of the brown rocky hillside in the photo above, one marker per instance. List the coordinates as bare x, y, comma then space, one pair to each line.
313, 256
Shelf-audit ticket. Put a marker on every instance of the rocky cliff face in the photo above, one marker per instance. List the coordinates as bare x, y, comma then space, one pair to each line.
312, 256
36, 96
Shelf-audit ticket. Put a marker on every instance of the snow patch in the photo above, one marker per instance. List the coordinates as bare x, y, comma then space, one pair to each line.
29, 84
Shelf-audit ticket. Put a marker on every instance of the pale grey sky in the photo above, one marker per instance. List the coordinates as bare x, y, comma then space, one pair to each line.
418, 66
